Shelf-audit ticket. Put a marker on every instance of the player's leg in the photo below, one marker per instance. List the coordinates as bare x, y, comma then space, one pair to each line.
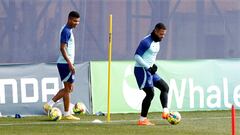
164, 88
66, 98
59, 95
68, 88
64, 73
67, 78
64, 93
147, 101
47, 106
145, 106
144, 81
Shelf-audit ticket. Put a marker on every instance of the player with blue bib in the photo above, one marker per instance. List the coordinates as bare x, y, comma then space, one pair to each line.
65, 65
145, 72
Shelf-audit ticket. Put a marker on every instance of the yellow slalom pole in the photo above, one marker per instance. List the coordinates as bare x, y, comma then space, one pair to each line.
109, 65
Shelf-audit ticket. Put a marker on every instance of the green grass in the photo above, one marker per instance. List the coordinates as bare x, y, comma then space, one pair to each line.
193, 123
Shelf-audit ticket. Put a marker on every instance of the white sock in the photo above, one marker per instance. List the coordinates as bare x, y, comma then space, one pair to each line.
142, 118
165, 110
51, 103
67, 113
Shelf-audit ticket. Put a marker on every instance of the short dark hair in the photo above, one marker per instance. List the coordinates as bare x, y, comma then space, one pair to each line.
74, 14
160, 26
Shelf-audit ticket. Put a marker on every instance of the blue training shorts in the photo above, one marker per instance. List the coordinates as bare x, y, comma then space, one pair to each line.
144, 78
65, 73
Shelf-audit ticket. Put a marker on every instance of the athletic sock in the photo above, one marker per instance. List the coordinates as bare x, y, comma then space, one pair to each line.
165, 110
67, 113
51, 103
142, 118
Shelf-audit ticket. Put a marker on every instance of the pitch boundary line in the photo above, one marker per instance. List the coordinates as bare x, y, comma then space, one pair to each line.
103, 122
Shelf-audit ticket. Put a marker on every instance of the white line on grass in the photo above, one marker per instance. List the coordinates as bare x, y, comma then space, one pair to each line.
103, 122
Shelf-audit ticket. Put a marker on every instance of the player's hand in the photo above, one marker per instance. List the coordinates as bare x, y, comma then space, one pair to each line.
153, 69
71, 68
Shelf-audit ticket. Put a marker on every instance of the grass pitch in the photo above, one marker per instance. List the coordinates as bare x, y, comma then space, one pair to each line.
192, 123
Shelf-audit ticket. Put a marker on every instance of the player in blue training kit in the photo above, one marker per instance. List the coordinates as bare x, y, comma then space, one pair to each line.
145, 72
65, 65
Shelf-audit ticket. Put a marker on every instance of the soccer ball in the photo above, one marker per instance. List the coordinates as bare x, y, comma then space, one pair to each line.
174, 118
55, 114
79, 108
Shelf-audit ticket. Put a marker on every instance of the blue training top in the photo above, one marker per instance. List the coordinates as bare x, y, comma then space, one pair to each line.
146, 52
66, 36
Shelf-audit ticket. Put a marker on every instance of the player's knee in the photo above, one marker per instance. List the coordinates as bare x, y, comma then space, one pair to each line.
68, 90
163, 86
150, 96
149, 93
166, 87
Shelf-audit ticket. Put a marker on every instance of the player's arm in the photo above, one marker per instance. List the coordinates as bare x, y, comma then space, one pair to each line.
65, 36
143, 46
65, 56
152, 69
140, 61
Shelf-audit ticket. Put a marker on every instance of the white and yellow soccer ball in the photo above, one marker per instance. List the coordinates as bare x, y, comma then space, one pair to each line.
55, 114
79, 108
174, 118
